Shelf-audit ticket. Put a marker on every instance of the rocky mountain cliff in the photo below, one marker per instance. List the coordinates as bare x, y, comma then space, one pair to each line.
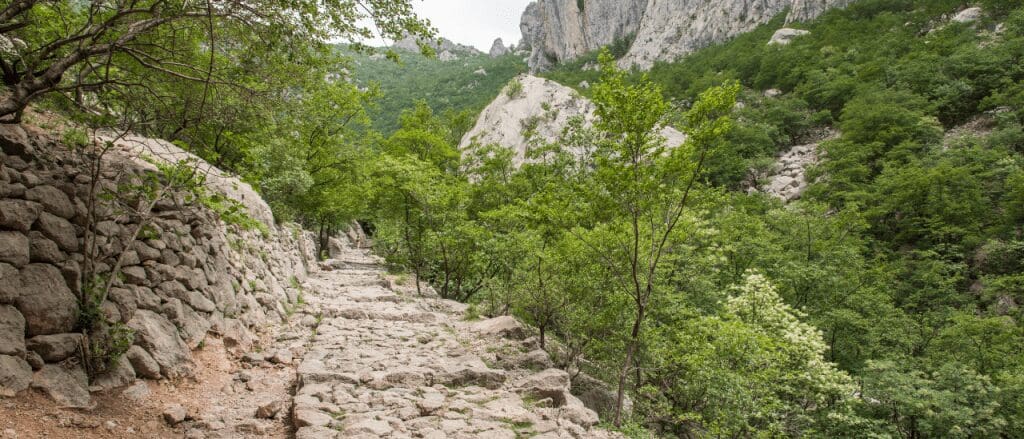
561, 30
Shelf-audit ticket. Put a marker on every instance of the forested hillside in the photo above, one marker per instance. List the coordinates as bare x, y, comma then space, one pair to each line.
465, 84
885, 301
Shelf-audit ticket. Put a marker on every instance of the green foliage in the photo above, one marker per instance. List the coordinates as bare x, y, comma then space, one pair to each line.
444, 85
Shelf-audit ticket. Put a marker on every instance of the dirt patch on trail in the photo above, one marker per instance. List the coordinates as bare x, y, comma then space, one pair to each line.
213, 397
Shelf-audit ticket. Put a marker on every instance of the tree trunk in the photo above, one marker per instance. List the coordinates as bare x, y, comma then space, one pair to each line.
634, 340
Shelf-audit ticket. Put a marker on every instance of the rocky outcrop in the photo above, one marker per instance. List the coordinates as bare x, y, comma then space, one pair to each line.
536, 110
786, 35
498, 49
789, 180
184, 276
561, 30
440, 46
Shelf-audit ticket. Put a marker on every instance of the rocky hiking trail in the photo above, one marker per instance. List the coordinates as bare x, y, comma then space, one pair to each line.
361, 356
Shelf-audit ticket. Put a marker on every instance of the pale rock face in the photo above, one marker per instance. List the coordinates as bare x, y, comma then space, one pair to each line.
543, 109
968, 15
498, 49
558, 30
786, 35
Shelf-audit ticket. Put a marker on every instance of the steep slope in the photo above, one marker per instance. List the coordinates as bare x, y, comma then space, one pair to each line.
660, 30
533, 109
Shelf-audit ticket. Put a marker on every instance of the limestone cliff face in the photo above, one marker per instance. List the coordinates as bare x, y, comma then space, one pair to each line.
557, 30
560, 30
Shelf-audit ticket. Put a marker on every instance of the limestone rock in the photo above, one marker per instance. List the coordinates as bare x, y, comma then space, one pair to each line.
270, 410
12, 331
143, 363
15, 375
47, 304
53, 200
19, 214
541, 112
119, 375
786, 35
498, 49
174, 414
14, 248
159, 337
558, 31
550, 383
57, 347
10, 281
66, 387
44, 250
503, 326
968, 15
59, 230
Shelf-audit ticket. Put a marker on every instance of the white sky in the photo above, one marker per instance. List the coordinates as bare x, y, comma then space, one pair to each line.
474, 22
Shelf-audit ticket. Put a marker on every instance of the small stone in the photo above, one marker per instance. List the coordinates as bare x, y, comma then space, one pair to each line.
174, 414
44, 250
34, 360
270, 410
310, 418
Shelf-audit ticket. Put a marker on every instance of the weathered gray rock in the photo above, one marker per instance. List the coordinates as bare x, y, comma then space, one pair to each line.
503, 326
12, 331
138, 392
10, 283
142, 363
59, 230
174, 414
786, 35
237, 338
968, 15
498, 49
66, 387
47, 304
270, 410
13, 139
557, 30
19, 214
159, 337
135, 275
14, 248
15, 375
44, 250
53, 200
56, 347
119, 375
550, 383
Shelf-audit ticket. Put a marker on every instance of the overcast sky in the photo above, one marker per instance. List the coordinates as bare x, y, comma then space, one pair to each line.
474, 22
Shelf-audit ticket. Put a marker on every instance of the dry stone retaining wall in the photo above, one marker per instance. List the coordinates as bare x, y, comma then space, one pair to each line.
187, 276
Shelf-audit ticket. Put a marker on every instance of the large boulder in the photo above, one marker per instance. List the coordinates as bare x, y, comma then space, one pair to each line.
550, 383
15, 375
143, 364
968, 15
503, 326
67, 387
159, 337
12, 331
46, 302
786, 35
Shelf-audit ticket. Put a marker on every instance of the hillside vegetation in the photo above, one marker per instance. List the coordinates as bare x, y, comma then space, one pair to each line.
463, 85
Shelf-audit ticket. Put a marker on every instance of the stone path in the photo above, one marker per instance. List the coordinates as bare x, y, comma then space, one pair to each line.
382, 362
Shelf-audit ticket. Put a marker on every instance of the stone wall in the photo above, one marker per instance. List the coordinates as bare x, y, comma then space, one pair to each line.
186, 277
